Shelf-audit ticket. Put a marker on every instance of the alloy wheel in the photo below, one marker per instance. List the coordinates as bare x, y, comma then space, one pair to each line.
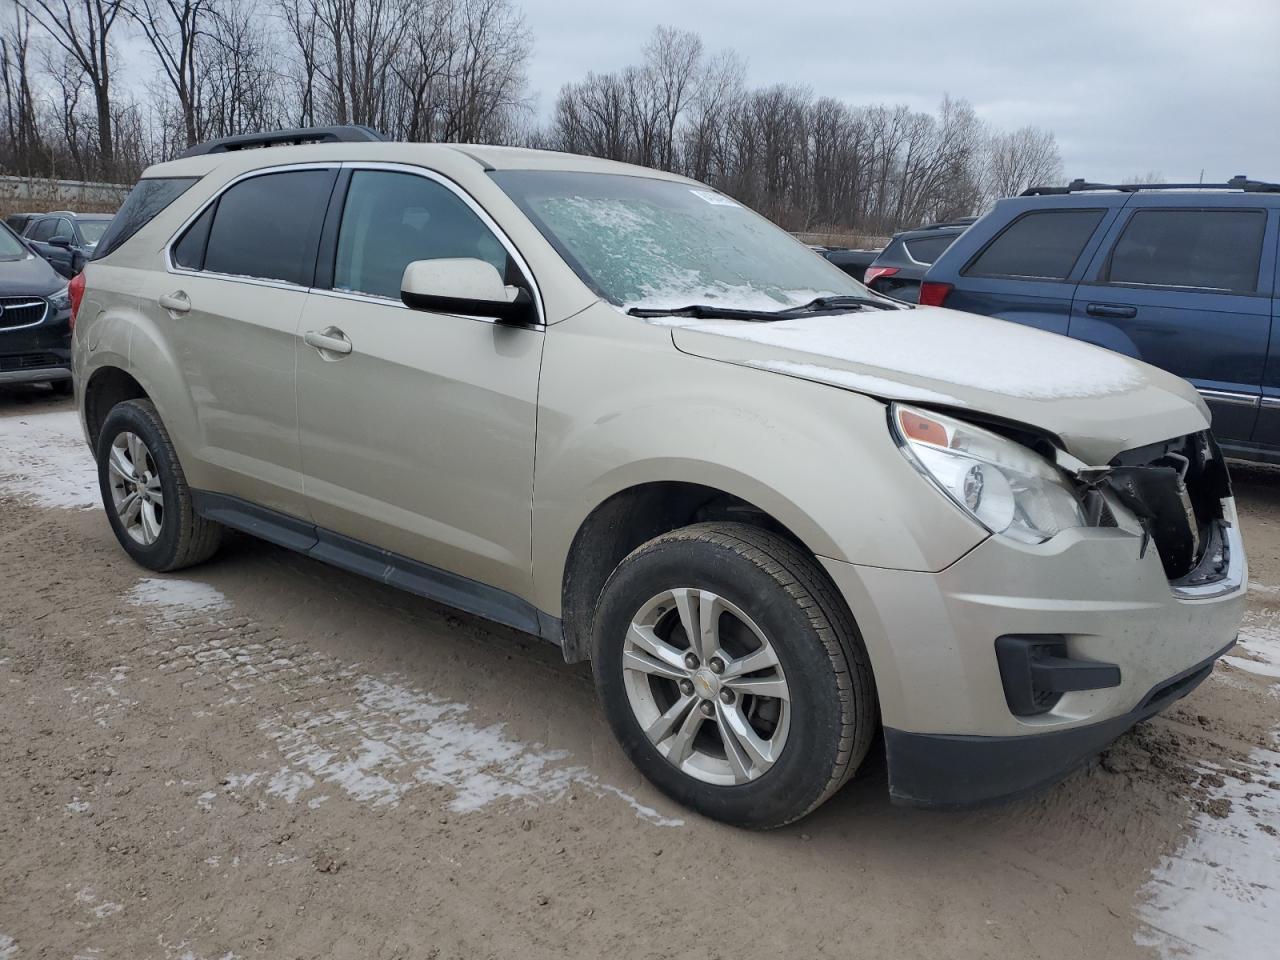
135, 488
706, 686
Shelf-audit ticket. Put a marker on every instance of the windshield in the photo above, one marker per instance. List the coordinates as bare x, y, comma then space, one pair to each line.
11, 247
92, 230
645, 242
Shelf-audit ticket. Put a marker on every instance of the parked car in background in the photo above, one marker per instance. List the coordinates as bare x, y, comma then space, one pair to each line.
901, 265
617, 409
1182, 276
17, 222
851, 261
66, 239
35, 312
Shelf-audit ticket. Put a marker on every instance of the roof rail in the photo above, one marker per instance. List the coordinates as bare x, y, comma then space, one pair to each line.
1238, 182
351, 133
957, 222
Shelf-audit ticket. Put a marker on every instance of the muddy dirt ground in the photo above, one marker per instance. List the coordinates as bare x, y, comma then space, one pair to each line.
267, 757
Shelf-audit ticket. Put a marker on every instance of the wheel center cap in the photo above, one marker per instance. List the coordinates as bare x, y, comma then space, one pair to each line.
706, 684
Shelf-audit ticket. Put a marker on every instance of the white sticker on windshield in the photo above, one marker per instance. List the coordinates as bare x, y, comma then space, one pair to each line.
719, 199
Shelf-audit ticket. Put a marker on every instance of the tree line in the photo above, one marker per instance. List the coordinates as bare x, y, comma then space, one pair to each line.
456, 70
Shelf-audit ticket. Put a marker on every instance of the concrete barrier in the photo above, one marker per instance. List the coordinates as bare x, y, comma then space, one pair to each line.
42, 194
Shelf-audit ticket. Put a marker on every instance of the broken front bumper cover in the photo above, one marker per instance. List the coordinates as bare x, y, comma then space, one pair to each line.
948, 771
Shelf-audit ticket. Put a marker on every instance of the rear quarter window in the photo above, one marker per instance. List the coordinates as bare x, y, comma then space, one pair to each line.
144, 204
929, 249
1041, 245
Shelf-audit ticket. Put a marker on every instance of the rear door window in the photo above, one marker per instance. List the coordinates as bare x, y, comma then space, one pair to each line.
1042, 245
267, 227
1217, 250
929, 249
144, 203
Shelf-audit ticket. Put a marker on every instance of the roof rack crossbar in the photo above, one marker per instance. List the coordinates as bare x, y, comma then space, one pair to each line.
350, 133
1238, 182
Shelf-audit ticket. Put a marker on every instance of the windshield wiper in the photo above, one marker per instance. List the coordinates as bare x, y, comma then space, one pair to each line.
843, 302
707, 311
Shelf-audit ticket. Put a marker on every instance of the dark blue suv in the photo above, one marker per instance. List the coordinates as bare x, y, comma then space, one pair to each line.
1182, 276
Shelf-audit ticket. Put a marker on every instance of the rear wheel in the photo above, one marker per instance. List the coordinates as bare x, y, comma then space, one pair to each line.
732, 674
145, 492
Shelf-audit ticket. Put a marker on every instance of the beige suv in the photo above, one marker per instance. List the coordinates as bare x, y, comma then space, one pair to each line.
616, 409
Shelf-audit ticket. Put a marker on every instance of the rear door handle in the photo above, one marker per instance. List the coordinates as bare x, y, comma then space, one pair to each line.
328, 340
1110, 310
176, 302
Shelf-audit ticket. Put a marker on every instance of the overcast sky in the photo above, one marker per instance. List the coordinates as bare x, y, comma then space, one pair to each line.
1128, 86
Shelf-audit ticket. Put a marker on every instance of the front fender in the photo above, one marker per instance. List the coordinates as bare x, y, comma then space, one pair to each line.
619, 406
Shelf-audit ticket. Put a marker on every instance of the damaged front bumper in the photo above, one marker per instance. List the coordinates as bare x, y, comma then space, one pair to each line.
950, 771
1109, 637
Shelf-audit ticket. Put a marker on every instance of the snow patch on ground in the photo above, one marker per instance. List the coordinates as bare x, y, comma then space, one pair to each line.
393, 739
8, 947
1217, 895
1258, 647
43, 457
374, 738
87, 898
176, 597
103, 697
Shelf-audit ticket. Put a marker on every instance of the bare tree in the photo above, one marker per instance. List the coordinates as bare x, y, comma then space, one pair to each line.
1021, 158
487, 69
20, 125
301, 22
82, 29
175, 28
673, 59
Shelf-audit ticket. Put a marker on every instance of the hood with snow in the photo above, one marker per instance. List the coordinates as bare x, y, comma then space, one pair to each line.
1098, 403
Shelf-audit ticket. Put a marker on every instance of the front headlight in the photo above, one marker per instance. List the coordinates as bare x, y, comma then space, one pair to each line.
60, 300
1004, 486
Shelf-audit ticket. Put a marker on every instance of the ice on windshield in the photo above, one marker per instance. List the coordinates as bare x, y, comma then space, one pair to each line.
660, 244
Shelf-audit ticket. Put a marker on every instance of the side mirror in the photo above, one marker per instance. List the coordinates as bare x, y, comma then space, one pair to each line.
60, 241
463, 285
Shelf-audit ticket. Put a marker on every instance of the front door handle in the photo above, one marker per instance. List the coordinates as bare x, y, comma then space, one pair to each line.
328, 340
176, 302
1111, 310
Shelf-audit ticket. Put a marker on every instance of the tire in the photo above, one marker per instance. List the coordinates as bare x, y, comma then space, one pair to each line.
176, 536
61, 388
777, 599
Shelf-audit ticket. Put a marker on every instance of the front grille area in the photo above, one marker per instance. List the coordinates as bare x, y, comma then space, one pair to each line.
21, 311
1176, 489
30, 361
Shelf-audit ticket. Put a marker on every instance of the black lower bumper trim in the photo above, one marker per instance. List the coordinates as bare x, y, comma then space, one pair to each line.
948, 771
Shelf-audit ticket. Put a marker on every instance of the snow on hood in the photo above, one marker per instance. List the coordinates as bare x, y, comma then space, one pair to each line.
1097, 401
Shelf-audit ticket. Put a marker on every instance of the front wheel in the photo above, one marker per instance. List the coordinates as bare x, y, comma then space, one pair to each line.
732, 674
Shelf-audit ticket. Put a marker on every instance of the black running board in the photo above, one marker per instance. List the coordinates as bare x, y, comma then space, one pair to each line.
356, 556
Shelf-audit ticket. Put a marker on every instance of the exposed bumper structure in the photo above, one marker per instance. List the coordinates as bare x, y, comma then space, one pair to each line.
957, 732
